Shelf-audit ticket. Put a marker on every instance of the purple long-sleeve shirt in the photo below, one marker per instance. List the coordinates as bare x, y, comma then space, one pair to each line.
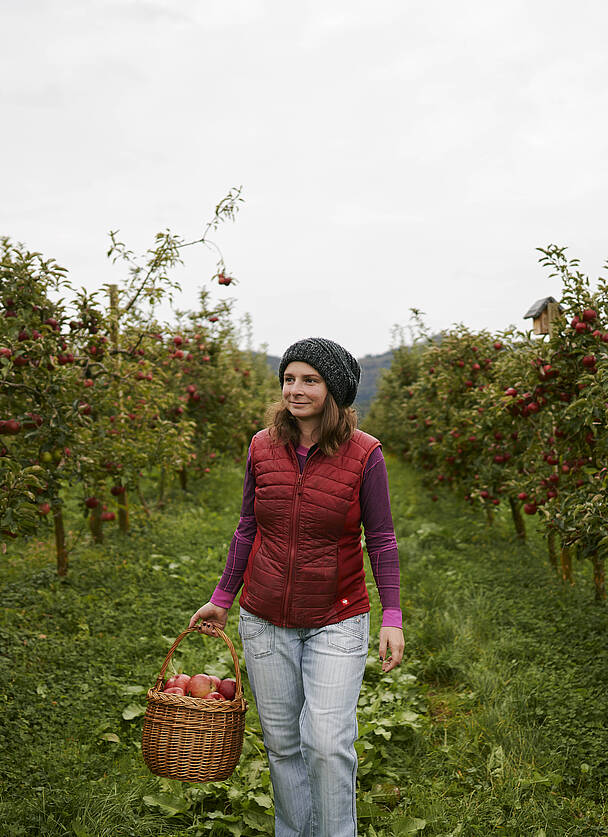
379, 538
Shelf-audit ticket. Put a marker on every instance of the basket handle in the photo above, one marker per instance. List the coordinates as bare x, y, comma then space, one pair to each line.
198, 629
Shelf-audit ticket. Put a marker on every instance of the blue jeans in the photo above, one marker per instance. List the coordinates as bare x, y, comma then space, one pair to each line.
306, 684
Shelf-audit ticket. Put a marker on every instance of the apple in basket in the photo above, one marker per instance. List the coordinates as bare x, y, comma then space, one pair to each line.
227, 688
215, 680
174, 690
200, 686
214, 696
179, 681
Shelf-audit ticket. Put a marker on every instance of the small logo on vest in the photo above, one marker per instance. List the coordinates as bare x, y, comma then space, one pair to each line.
344, 601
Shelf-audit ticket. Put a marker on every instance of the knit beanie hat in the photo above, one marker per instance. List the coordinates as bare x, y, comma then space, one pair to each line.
340, 370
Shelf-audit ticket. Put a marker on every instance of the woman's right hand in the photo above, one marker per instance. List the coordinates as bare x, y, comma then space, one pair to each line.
209, 613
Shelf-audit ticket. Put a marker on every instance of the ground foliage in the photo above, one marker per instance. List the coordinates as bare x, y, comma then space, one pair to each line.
495, 723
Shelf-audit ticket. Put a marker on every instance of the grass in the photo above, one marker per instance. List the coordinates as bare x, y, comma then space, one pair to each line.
494, 724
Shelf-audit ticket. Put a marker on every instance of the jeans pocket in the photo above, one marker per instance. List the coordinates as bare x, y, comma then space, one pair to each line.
256, 634
350, 635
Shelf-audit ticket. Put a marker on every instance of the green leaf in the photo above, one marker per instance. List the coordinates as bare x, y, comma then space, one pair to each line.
133, 690
133, 710
168, 803
263, 800
110, 736
369, 810
79, 829
408, 825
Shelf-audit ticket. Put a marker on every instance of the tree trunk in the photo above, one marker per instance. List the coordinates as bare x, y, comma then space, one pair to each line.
95, 524
183, 479
141, 499
518, 520
566, 561
62, 554
552, 548
123, 513
599, 577
161, 487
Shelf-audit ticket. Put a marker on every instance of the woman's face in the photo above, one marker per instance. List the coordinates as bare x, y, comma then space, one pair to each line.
304, 390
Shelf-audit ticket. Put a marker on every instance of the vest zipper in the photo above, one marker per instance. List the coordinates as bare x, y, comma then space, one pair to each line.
291, 554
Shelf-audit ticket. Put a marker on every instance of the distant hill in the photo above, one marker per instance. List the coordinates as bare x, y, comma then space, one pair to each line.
371, 367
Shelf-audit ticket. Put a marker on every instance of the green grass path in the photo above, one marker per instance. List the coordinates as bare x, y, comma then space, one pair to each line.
496, 723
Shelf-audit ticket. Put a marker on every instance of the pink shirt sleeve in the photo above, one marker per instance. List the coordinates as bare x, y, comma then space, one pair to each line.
380, 538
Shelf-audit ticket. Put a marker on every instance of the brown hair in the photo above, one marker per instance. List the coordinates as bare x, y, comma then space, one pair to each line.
337, 425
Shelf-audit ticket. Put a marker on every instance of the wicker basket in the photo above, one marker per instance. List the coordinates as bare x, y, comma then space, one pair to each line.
193, 739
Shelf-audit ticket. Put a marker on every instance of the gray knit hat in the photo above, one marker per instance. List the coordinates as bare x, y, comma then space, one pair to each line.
340, 370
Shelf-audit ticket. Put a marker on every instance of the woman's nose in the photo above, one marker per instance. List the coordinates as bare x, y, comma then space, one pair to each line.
295, 387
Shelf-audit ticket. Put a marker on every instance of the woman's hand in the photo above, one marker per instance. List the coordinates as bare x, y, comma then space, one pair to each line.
391, 639
209, 613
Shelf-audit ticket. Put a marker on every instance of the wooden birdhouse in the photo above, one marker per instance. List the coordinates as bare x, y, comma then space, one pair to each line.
543, 313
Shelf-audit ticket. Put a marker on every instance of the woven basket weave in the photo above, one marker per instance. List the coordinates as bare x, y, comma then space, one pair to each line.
193, 739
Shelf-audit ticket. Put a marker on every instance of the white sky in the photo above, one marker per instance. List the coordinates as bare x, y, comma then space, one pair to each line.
392, 154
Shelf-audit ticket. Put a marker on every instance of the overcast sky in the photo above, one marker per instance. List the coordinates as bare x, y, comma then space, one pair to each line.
392, 154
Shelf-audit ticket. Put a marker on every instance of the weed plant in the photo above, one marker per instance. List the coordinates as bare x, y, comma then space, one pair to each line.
494, 724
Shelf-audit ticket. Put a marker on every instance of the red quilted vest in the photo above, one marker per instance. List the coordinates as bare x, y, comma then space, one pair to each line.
305, 568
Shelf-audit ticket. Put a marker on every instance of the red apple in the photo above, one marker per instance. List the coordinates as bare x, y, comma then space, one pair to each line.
199, 686
214, 696
227, 688
589, 315
91, 502
174, 690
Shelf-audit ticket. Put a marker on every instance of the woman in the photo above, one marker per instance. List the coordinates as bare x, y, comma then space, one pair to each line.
311, 480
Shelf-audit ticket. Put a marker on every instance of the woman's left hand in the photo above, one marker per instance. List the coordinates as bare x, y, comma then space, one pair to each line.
391, 639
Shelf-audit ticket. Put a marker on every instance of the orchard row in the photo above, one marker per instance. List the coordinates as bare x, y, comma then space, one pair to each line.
514, 418
96, 394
